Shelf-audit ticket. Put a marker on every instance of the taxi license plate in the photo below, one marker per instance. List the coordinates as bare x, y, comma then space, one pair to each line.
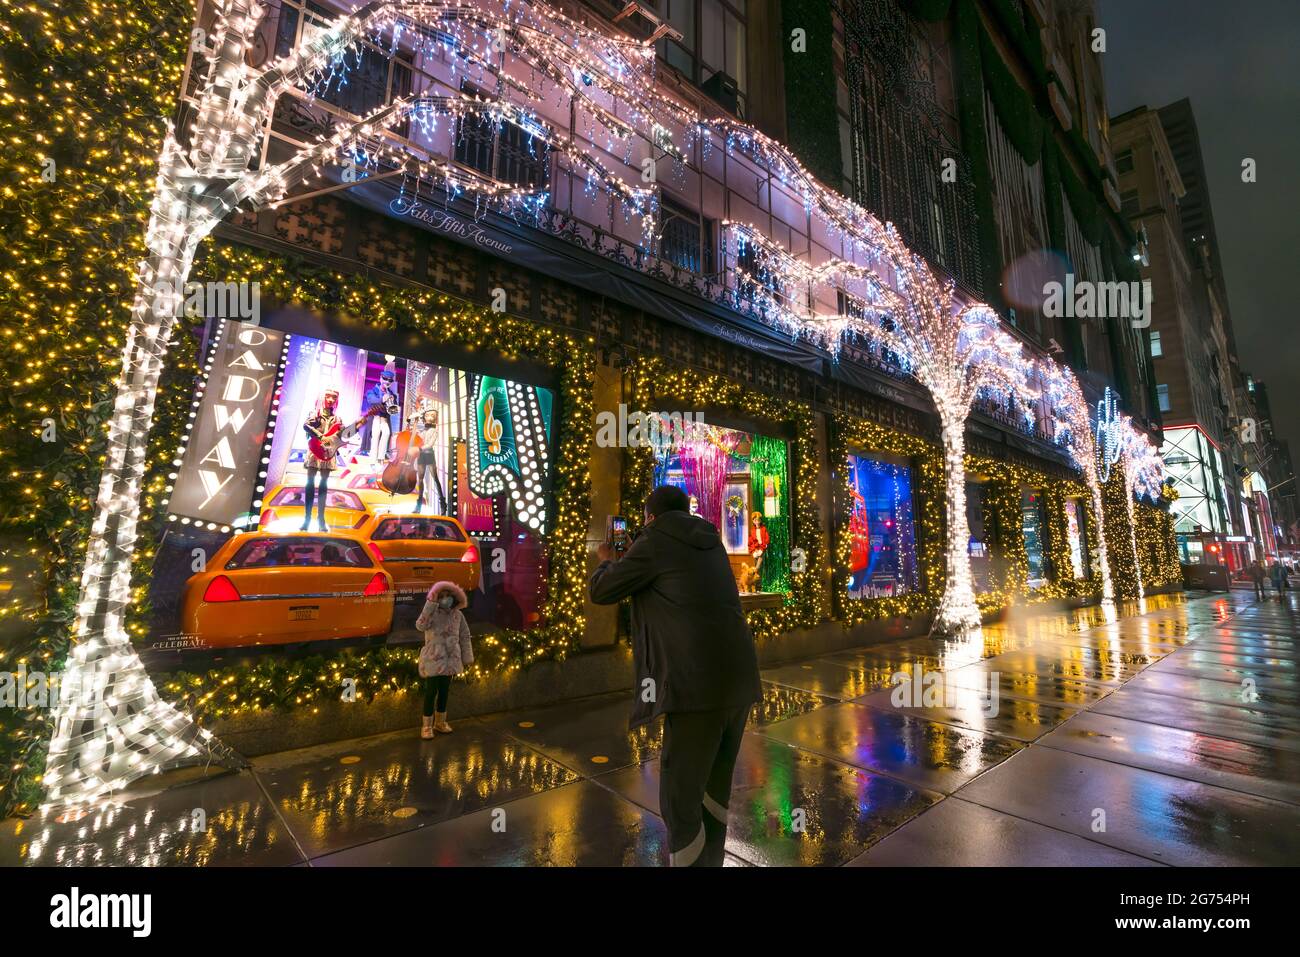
304, 612
423, 569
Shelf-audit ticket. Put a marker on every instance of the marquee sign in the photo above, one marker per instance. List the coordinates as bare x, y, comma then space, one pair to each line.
218, 463
509, 445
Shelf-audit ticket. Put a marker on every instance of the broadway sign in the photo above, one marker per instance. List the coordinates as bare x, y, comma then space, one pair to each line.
219, 470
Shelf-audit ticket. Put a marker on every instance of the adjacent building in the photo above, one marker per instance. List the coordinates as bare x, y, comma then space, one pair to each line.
1218, 443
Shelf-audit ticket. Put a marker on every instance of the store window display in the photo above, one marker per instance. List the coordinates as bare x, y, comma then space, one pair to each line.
1033, 525
738, 481
882, 555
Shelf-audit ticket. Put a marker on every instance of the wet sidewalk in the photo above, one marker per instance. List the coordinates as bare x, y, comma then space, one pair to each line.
1170, 737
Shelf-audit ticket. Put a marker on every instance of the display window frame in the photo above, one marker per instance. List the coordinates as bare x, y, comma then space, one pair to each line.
1086, 549
727, 420
500, 559
417, 321
1045, 535
992, 535
898, 461
654, 384
852, 435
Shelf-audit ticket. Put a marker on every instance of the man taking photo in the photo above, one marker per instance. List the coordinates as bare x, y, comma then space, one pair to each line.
695, 665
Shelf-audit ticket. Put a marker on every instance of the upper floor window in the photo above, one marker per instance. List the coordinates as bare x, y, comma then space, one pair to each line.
1124, 162
1156, 349
713, 42
1129, 204
685, 237
1162, 397
505, 151
371, 78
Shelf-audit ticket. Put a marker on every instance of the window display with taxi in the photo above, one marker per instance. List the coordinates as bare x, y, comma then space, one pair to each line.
325, 487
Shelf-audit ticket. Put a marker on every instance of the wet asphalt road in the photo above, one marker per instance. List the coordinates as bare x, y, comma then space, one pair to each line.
1165, 738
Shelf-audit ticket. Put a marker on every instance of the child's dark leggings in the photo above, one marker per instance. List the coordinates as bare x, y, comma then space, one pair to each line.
435, 694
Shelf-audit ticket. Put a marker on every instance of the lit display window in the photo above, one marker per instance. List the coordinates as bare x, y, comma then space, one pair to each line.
882, 560
1077, 534
392, 472
1033, 525
739, 481
981, 539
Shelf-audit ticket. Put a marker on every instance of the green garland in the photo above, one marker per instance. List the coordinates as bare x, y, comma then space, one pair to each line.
87, 86
769, 457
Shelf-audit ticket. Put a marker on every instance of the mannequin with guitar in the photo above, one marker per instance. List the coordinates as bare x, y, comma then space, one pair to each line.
325, 431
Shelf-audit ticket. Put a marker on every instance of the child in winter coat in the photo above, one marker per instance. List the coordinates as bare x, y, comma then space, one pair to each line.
447, 651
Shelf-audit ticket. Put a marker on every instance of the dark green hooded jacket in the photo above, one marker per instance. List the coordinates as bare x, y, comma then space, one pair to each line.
691, 645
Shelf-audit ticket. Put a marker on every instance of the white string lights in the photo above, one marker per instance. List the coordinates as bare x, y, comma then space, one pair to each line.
116, 728
1144, 474
956, 352
1073, 429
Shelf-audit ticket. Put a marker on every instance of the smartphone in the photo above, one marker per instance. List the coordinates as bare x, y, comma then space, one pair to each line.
616, 536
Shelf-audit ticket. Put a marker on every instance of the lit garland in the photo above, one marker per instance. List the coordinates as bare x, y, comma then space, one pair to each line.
81, 101
1143, 474
1090, 450
652, 382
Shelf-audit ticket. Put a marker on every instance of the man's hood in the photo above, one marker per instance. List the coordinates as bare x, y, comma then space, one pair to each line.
687, 529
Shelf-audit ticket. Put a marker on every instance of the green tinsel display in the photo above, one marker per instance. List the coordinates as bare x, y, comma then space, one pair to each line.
770, 458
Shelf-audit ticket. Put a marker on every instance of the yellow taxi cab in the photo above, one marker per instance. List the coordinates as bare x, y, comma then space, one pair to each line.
419, 550
282, 510
272, 589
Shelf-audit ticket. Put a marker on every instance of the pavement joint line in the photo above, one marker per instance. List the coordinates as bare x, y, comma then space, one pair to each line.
275, 806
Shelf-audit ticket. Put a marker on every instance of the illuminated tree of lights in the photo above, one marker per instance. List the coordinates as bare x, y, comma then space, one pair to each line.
1070, 413
957, 353
1144, 474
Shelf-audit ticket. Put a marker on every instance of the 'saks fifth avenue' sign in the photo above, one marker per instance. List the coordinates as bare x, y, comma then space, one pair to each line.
440, 219
220, 466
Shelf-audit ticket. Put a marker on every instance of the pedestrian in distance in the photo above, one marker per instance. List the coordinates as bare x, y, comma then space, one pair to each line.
1280, 582
695, 665
447, 651
1257, 574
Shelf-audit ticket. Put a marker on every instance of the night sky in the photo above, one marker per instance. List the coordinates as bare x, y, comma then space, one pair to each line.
1236, 62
